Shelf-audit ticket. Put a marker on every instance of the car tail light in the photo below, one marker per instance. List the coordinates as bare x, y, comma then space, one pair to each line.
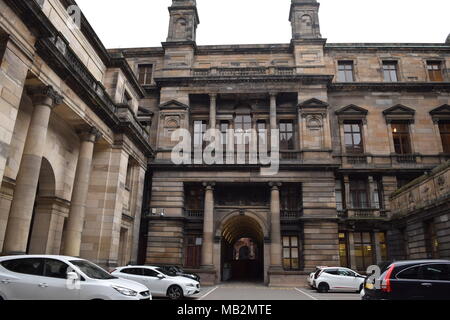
386, 282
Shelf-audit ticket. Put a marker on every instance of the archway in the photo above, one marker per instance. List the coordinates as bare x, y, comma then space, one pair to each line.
242, 252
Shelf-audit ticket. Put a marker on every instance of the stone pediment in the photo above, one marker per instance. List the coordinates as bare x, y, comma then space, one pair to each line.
399, 109
173, 105
352, 110
443, 110
313, 103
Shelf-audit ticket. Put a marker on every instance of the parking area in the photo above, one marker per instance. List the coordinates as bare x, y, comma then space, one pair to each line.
237, 291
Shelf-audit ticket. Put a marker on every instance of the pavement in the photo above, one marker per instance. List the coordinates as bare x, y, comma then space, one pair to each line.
244, 291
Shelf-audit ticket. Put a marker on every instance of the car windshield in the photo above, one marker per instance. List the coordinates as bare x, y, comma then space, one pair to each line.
166, 272
92, 270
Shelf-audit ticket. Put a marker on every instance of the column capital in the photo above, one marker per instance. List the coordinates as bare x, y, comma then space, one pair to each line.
273, 94
209, 185
91, 134
45, 95
275, 185
213, 95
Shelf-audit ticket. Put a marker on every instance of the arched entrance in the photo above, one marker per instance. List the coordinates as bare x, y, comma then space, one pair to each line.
242, 254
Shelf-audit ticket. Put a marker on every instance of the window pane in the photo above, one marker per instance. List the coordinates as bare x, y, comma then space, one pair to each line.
294, 253
286, 253
55, 269
294, 242
286, 242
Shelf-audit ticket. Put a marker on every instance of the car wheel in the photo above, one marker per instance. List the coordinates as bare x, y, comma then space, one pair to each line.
175, 293
323, 288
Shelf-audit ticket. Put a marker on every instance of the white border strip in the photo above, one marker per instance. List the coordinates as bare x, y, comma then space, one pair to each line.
208, 293
306, 294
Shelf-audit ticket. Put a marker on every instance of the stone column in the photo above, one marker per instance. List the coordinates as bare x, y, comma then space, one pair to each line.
347, 192
273, 110
275, 230
18, 228
208, 227
75, 222
212, 111
351, 250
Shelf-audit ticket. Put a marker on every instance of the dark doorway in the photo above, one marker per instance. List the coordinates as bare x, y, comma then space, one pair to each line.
242, 250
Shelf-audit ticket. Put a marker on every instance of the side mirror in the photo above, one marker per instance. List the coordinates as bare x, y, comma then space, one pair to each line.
72, 276
160, 276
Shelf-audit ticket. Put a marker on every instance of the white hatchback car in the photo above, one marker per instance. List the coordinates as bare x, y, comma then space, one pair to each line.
45, 277
159, 282
338, 279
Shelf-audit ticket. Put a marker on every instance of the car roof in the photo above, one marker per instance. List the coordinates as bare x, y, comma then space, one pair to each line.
415, 262
133, 266
38, 256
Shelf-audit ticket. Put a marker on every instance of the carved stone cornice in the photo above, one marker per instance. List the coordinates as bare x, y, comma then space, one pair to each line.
92, 134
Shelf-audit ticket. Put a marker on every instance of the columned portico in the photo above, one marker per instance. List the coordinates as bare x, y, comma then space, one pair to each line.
72, 236
18, 228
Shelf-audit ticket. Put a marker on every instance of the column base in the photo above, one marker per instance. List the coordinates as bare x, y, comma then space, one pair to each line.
208, 275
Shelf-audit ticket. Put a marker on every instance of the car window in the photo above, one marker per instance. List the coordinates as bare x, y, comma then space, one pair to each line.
166, 272
435, 272
332, 271
31, 266
55, 269
410, 273
92, 270
346, 273
150, 273
133, 271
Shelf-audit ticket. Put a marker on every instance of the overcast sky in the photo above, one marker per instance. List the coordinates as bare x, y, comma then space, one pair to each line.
144, 23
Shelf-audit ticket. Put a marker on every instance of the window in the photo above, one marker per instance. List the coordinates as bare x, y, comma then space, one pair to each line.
434, 272
199, 133
194, 197
55, 269
132, 271
383, 246
92, 270
444, 128
402, 142
127, 99
243, 123
435, 71
291, 251
31, 266
359, 195
150, 273
224, 126
364, 253
339, 196
145, 73
129, 177
345, 71
287, 135
353, 138
390, 71
346, 273
431, 240
290, 197
193, 249
343, 249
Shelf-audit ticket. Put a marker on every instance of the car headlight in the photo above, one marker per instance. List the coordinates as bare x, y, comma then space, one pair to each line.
125, 291
191, 285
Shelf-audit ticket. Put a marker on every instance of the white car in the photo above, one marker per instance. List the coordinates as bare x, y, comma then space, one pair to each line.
159, 282
338, 279
46, 277
312, 275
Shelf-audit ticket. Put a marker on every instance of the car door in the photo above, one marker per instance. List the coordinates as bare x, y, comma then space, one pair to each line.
55, 285
407, 284
157, 285
22, 282
330, 276
351, 281
435, 284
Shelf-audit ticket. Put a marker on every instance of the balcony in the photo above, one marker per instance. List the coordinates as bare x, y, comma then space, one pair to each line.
406, 158
193, 214
243, 72
363, 213
290, 214
127, 117
356, 159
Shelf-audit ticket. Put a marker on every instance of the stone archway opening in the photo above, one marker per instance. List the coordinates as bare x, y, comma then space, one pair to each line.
242, 254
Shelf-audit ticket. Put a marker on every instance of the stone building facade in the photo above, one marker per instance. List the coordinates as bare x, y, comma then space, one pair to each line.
356, 121
74, 147
88, 136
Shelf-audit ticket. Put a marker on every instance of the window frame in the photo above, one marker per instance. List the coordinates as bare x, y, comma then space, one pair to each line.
290, 142
359, 186
401, 135
145, 77
346, 72
433, 72
388, 72
290, 267
353, 150
443, 134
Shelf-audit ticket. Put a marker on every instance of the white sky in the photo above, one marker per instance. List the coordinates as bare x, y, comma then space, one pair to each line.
144, 23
